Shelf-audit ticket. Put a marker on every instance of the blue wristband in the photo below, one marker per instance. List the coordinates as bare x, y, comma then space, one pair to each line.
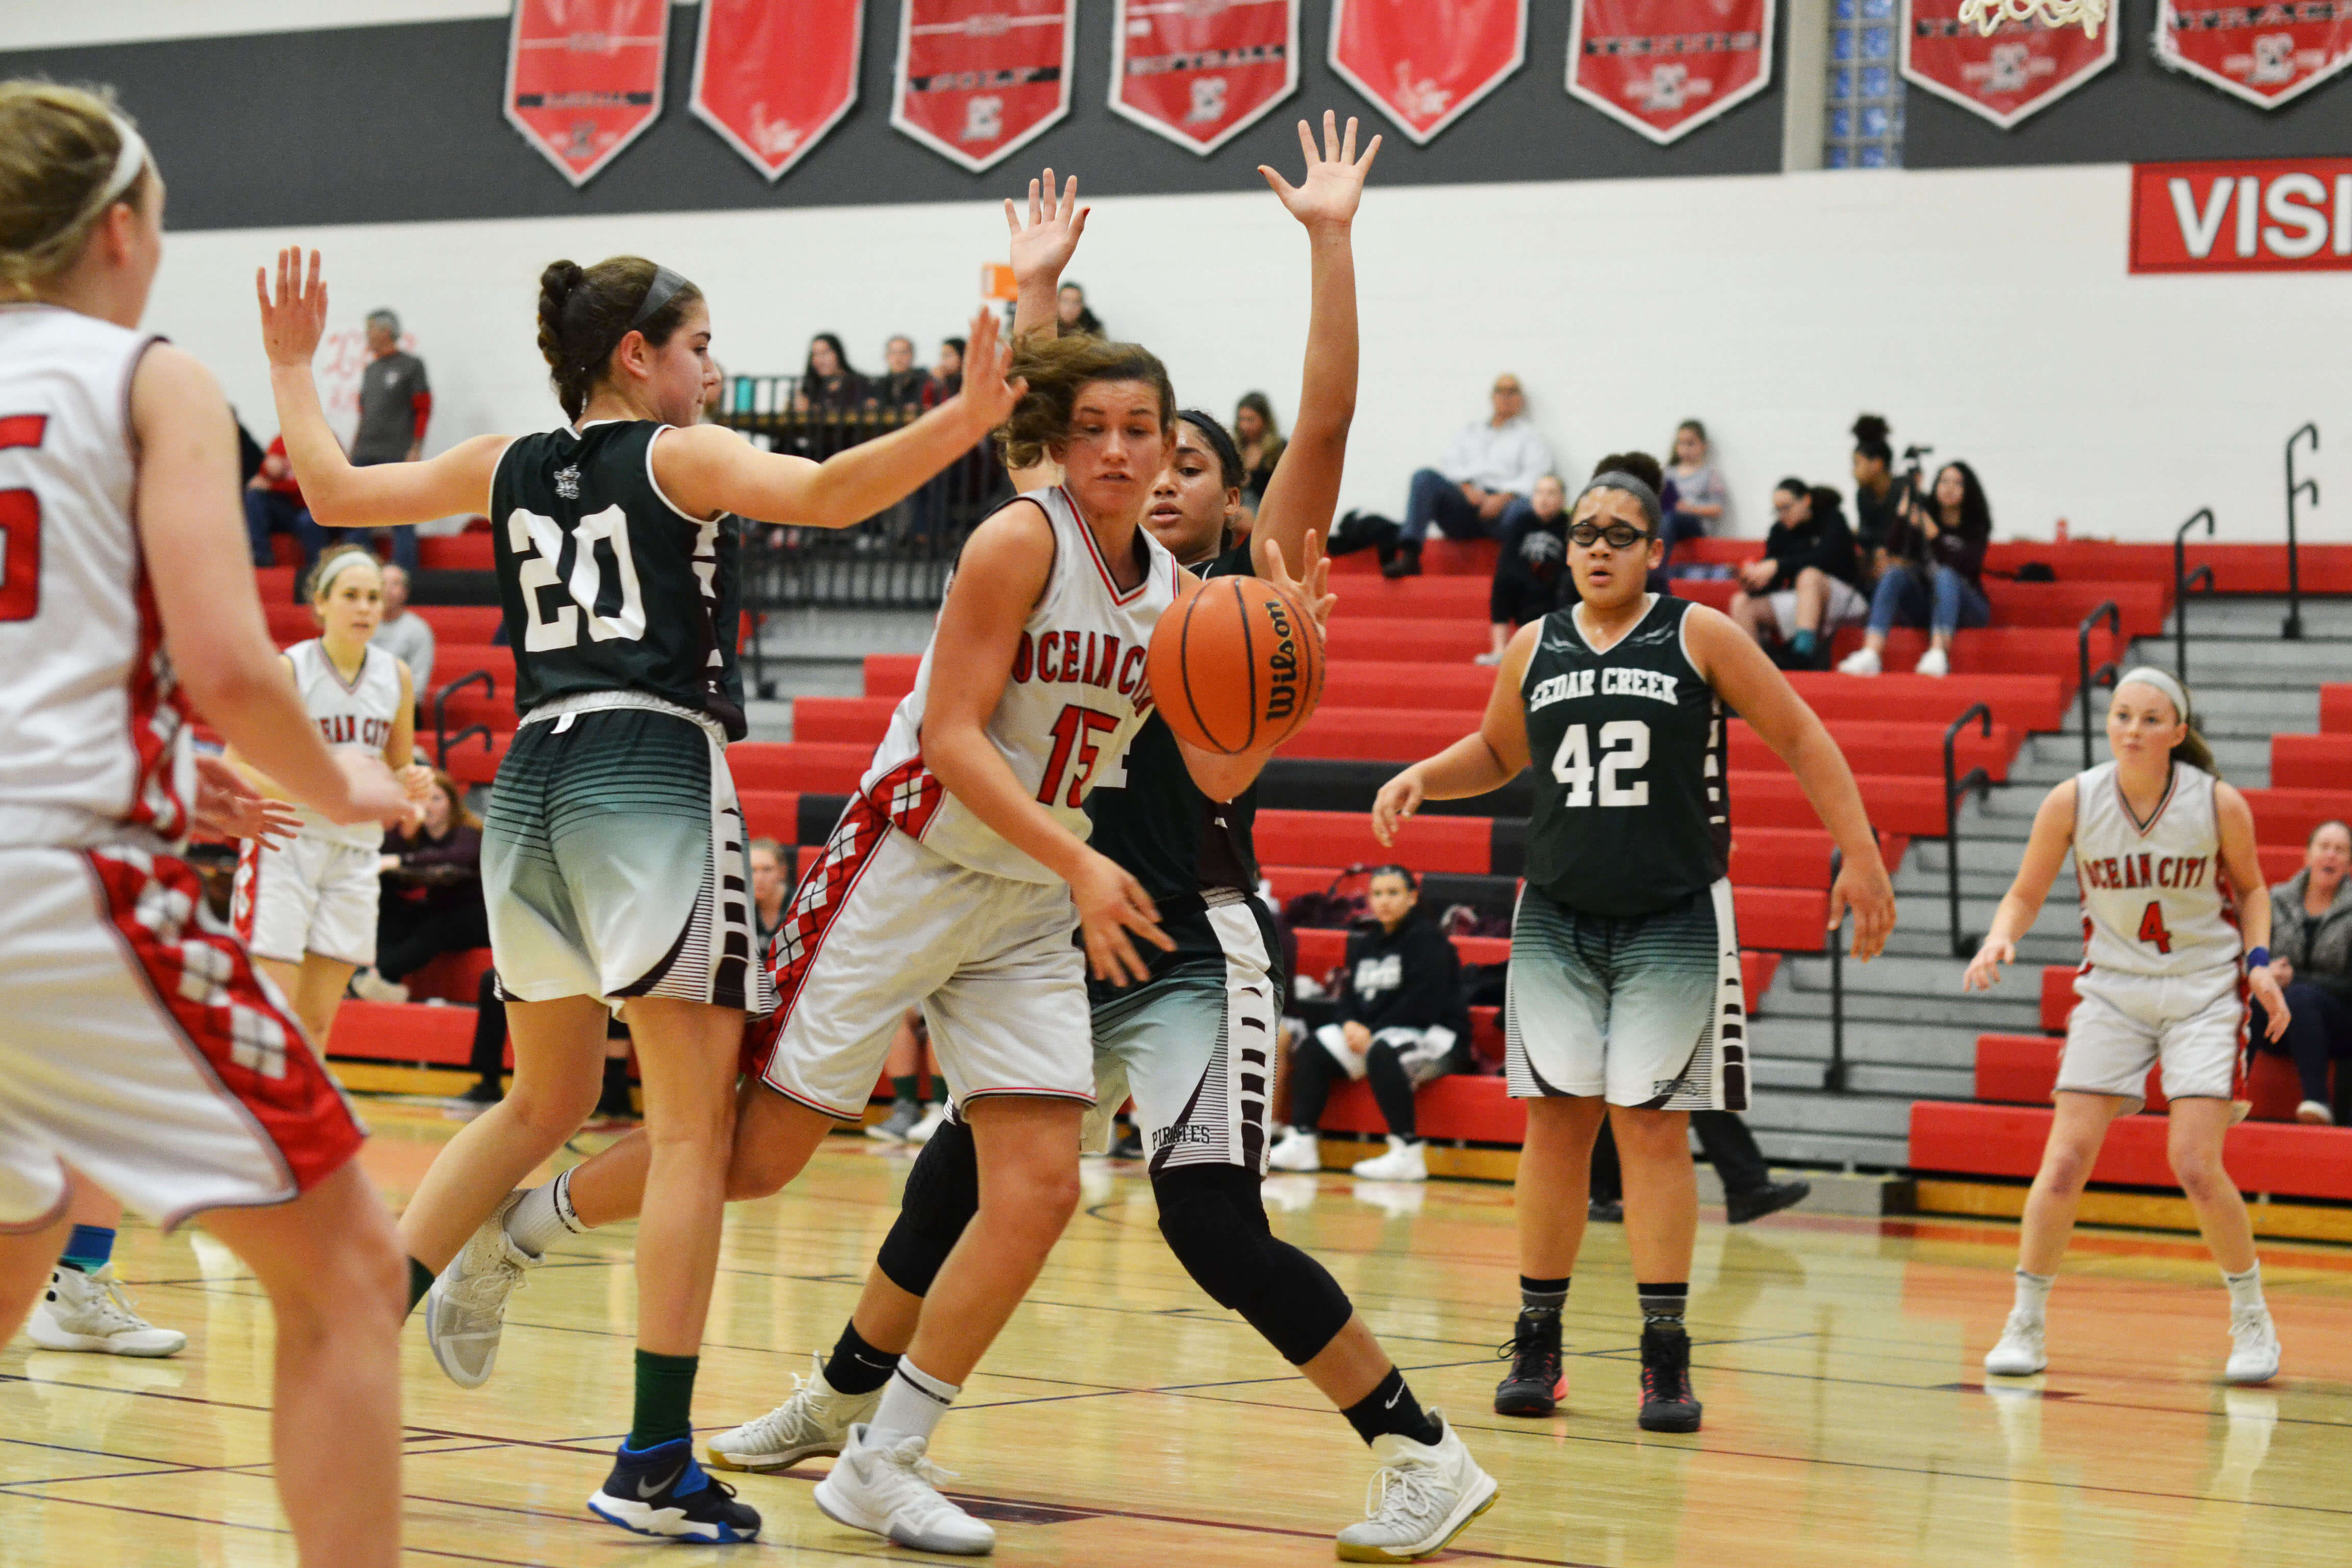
2256, 958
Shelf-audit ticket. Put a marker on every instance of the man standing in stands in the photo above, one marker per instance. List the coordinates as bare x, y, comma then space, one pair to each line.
394, 404
404, 635
1489, 469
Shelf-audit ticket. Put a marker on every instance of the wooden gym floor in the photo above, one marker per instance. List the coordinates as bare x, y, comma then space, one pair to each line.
1123, 1420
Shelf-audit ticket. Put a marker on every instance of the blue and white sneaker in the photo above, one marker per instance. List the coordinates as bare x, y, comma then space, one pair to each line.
662, 1492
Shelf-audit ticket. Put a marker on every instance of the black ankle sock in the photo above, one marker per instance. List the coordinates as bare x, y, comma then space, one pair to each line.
420, 1280
856, 1367
665, 1403
1543, 1295
1391, 1407
1663, 1304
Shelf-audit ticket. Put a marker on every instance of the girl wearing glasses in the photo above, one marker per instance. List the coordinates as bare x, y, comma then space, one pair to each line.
1624, 996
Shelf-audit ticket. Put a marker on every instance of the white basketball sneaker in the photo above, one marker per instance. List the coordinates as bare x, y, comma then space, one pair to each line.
933, 1119
1933, 662
2020, 1352
2312, 1113
891, 1492
1296, 1151
2254, 1346
1404, 1162
465, 1311
1422, 1497
90, 1313
815, 1420
1861, 661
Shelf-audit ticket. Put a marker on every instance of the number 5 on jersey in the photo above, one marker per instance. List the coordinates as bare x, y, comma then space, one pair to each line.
1625, 749
1074, 736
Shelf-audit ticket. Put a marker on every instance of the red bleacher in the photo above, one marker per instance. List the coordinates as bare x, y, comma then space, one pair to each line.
2282, 1159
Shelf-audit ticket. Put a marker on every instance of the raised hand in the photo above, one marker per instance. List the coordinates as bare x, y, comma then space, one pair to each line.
1312, 587
294, 321
987, 395
1335, 175
1044, 245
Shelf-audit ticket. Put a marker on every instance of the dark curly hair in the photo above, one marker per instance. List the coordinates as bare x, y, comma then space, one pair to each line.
1057, 370
1641, 465
585, 312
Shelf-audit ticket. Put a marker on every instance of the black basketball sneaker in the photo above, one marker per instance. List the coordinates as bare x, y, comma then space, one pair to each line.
1538, 1382
1668, 1402
661, 1491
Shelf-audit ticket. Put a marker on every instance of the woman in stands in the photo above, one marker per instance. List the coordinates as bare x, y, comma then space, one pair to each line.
1260, 442
431, 903
2176, 924
2311, 921
1624, 994
306, 910
1935, 572
1528, 566
614, 862
1702, 499
1402, 1023
1802, 587
141, 1047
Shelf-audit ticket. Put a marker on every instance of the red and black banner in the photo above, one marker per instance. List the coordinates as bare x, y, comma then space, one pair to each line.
2265, 54
1426, 62
1199, 72
2022, 68
2269, 215
1664, 68
773, 79
584, 78
978, 78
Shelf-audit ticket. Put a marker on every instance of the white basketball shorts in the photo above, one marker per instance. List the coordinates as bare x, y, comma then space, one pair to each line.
2123, 1025
880, 924
312, 895
138, 1043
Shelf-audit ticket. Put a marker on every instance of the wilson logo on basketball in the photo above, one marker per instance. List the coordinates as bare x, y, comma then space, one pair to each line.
1282, 664
1238, 667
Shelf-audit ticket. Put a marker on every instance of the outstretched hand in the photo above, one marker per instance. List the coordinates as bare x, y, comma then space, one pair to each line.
294, 321
1312, 586
987, 395
1044, 245
227, 803
1335, 175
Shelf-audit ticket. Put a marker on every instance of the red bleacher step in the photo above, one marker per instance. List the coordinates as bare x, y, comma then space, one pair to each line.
2335, 707
2141, 604
2322, 761
1471, 1106
396, 1032
1440, 557
2283, 1159
2023, 1069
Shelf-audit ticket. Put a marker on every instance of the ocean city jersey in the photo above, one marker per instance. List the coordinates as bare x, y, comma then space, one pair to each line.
1632, 813
356, 715
2153, 899
606, 584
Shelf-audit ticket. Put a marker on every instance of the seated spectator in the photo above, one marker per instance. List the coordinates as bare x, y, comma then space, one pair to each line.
2311, 956
1260, 439
430, 902
1401, 1024
1873, 498
1801, 589
1702, 501
405, 635
273, 504
1527, 571
827, 384
900, 385
1935, 572
772, 889
1490, 465
947, 376
1072, 318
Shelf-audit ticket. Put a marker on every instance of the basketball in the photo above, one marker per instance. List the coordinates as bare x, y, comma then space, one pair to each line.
1237, 666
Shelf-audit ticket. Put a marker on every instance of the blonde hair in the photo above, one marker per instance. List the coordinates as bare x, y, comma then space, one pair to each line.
59, 147
329, 567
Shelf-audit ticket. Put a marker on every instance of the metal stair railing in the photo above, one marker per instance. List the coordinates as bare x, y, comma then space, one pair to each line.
2296, 489
1979, 782
2109, 613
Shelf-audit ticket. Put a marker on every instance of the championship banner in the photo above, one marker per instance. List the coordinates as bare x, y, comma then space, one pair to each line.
2269, 215
1425, 62
2263, 54
1667, 67
979, 78
2019, 70
1199, 72
584, 78
773, 79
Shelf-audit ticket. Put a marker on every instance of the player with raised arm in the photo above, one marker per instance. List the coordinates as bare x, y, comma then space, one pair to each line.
141, 1047
2176, 928
1625, 995
614, 861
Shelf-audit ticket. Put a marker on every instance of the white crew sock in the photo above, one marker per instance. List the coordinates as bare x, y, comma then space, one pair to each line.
912, 1403
2246, 1290
2034, 1293
544, 1216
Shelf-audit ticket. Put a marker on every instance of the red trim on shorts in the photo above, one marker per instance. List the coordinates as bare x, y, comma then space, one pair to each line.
1040, 1093
817, 903
817, 1106
229, 1021
245, 891
56, 1212
909, 796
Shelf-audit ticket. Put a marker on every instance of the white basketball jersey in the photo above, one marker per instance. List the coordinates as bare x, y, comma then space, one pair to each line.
2153, 899
92, 723
355, 715
1075, 697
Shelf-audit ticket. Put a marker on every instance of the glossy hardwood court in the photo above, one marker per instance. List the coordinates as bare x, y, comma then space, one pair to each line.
1124, 1420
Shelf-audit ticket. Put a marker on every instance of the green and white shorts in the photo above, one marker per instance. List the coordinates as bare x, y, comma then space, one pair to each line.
613, 859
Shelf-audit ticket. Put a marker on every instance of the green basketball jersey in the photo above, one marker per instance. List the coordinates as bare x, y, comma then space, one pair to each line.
607, 586
1632, 809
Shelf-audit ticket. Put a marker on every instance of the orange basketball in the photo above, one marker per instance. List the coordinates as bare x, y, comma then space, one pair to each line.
1238, 667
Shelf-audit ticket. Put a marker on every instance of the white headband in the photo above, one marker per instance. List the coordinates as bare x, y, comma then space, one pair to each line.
326, 584
2148, 675
126, 163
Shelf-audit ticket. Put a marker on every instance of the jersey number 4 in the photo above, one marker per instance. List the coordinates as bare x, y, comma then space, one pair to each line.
2152, 928
538, 545
20, 527
1625, 749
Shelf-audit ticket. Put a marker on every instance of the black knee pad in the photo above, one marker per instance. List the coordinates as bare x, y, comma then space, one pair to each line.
942, 1195
1214, 1222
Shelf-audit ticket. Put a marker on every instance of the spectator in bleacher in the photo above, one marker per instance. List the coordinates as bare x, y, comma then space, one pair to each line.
1401, 1024
1071, 317
1490, 465
1934, 577
1702, 501
828, 385
900, 385
273, 504
431, 897
1749, 1192
2311, 958
946, 375
1873, 495
1801, 589
395, 404
1260, 441
404, 634
1527, 568
771, 888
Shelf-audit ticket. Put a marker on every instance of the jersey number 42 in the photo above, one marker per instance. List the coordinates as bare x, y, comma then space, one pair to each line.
1625, 749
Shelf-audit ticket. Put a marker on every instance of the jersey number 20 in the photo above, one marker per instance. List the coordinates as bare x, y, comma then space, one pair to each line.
1625, 749
538, 541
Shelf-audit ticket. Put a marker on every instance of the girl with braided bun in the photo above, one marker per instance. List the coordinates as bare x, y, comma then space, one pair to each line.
614, 861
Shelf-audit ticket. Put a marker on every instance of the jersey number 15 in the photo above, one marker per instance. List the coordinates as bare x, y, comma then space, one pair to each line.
538, 545
1625, 749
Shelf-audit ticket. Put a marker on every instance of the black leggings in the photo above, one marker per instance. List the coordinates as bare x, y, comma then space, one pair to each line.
1519, 595
409, 938
2318, 1031
1313, 1072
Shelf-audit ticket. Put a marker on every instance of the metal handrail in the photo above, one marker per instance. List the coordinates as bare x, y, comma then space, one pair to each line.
2295, 488
1832, 1076
441, 749
441, 705
2203, 515
2203, 575
2109, 613
1978, 779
